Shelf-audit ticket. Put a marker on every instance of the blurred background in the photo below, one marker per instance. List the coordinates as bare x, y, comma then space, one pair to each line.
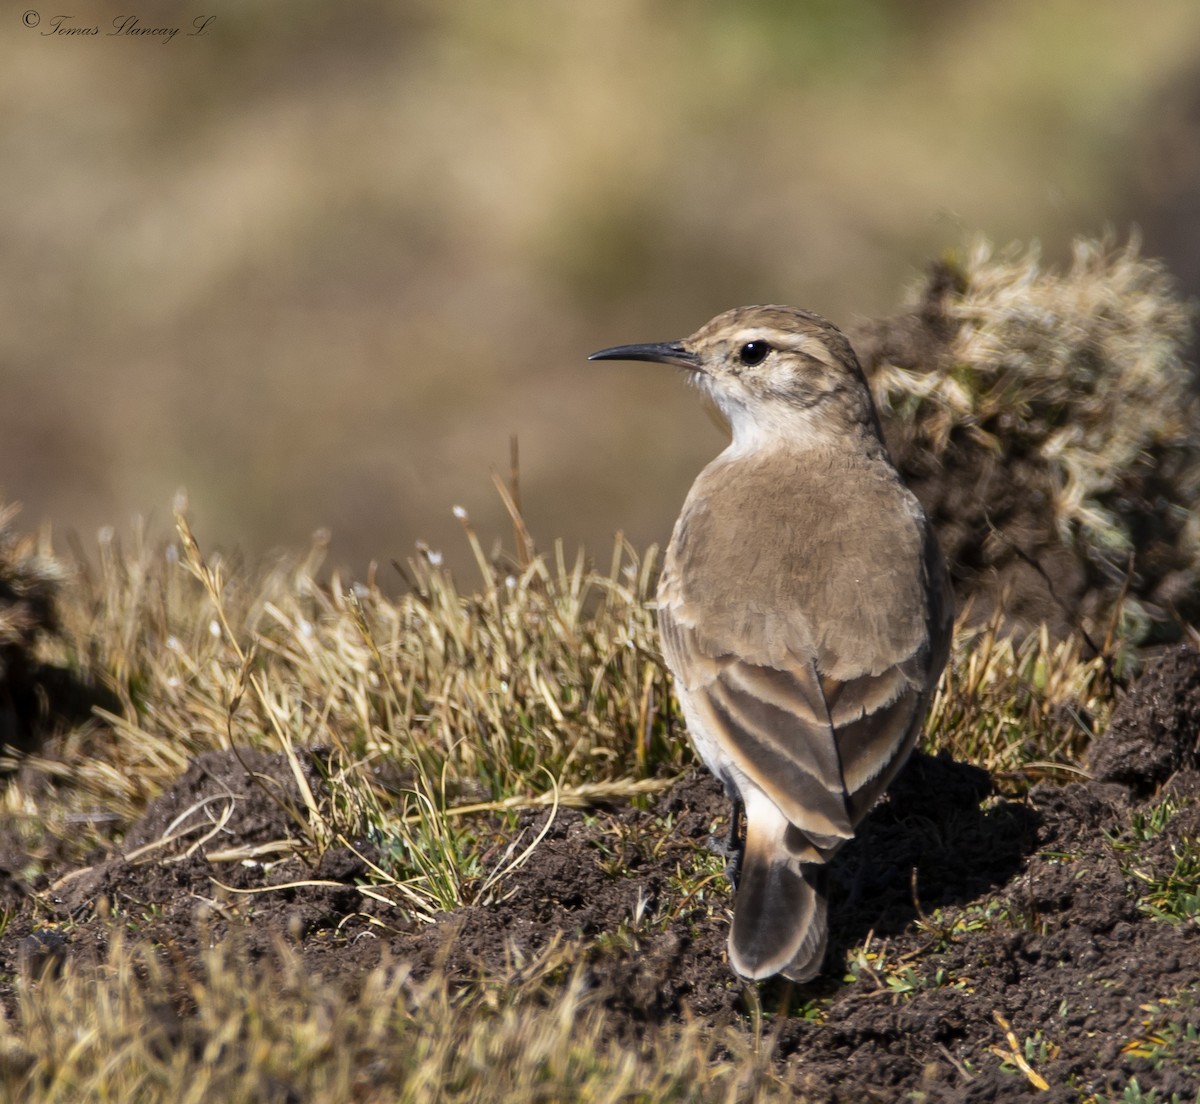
318, 264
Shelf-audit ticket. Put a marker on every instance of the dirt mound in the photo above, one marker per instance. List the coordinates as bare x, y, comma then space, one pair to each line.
1155, 732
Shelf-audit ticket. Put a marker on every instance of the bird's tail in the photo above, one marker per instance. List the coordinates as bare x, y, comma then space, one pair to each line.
779, 924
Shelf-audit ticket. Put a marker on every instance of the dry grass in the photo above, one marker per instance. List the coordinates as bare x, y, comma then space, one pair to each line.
277, 1033
543, 687
1022, 708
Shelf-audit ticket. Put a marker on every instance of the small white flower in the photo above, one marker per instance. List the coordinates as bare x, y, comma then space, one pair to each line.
214, 627
460, 513
434, 557
306, 628
173, 644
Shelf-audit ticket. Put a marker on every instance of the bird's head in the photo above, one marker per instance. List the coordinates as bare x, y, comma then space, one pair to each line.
776, 373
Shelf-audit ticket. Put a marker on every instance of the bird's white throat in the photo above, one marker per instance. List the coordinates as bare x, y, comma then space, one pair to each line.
768, 424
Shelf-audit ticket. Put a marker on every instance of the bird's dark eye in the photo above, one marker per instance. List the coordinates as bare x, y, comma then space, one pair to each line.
753, 352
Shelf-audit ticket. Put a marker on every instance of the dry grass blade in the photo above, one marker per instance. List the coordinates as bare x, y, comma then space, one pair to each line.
1013, 1054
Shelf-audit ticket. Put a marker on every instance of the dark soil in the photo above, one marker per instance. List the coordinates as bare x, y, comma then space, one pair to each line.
1057, 946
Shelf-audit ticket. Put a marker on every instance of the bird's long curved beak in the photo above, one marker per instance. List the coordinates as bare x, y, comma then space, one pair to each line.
664, 352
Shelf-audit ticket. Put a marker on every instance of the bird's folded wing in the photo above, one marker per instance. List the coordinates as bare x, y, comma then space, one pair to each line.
820, 748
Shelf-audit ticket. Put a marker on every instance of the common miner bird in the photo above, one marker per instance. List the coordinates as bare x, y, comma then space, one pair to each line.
804, 612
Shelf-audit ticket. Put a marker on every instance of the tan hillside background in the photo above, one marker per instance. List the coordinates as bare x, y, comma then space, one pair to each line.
318, 264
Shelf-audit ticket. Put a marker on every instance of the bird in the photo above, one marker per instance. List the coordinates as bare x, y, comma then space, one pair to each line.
804, 611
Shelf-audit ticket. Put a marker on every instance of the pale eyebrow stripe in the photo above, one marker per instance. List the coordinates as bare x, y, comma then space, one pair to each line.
758, 333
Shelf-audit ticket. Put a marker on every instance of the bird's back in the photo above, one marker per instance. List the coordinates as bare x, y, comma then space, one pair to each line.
838, 578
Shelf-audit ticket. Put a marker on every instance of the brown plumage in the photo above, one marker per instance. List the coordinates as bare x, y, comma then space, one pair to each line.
804, 611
